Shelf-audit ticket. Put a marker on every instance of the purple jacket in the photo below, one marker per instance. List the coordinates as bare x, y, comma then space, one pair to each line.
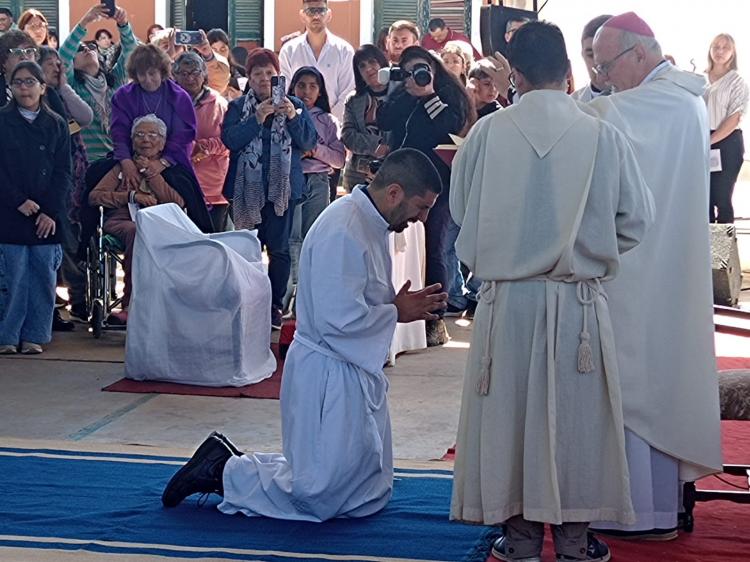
171, 104
329, 151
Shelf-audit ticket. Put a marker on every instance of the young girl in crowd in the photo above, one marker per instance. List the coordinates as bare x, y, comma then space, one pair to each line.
328, 154
35, 175
318, 164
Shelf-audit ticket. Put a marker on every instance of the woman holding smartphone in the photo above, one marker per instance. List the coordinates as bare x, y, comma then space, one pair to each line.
266, 142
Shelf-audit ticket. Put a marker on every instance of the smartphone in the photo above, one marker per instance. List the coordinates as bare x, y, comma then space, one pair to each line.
278, 89
110, 6
188, 38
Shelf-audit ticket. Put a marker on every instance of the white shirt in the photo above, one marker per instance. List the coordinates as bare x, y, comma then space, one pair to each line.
335, 63
725, 97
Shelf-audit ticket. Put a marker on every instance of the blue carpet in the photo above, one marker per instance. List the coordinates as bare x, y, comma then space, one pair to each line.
111, 503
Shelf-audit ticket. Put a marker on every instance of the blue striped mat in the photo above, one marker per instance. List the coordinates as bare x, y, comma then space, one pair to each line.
111, 503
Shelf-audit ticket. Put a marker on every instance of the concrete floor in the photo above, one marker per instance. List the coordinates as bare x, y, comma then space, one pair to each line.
57, 396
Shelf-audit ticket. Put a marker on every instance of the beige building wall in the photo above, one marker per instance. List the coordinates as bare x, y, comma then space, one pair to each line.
140, 12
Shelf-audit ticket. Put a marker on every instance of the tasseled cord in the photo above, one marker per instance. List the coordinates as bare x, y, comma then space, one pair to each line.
585, 354
487, 296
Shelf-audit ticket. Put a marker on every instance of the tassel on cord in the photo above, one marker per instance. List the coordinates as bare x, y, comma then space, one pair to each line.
487, 296
585, 355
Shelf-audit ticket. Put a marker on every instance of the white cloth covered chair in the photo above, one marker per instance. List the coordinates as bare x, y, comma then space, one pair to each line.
408, 258
201, 304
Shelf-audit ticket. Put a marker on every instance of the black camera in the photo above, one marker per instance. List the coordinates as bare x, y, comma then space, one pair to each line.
421, 73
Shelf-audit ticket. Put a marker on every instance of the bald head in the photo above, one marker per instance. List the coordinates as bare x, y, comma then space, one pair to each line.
624, 58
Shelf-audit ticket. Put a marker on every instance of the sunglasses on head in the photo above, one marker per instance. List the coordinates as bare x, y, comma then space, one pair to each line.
23, 52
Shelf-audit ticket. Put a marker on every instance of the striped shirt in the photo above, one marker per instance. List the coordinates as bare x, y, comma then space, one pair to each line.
96, 136
725, 97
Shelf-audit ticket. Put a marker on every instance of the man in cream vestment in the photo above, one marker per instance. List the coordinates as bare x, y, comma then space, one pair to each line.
337, 459
548, 198
661, 301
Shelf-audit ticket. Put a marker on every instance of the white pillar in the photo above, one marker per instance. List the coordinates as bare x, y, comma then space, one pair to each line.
63, 20
160, 12
476, 35
366, 21
269, 24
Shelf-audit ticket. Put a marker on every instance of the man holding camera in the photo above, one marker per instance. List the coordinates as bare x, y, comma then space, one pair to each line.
320, 48
337, 456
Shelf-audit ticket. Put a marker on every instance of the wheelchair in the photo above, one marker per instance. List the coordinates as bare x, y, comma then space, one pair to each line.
103, 255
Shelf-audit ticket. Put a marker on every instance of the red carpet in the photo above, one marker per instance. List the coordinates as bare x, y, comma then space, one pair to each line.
722, 529
269, 388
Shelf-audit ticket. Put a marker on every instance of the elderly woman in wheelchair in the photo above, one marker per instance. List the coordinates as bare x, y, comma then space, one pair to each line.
149, 134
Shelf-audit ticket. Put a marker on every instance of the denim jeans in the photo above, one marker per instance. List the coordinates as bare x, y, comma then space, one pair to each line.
314, 201
440, 241
273, 233
28, 275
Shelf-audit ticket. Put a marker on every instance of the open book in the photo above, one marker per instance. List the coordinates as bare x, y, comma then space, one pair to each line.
447, 152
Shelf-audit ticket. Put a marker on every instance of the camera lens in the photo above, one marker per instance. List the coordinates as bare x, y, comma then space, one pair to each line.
422, 75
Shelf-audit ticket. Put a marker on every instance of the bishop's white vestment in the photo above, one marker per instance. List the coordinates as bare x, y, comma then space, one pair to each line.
547, 197
337, 455
661, 302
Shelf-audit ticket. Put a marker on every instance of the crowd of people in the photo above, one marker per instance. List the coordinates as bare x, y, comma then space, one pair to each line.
553, 224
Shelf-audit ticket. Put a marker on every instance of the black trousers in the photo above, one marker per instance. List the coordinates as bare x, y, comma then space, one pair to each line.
722, 183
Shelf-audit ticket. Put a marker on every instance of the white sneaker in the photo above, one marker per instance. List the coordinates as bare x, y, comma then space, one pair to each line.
8, 349
29, 348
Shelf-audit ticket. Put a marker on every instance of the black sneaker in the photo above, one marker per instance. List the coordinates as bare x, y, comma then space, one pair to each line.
59, 324
203, 473
500, 551
596, 551
276, 319
79, 313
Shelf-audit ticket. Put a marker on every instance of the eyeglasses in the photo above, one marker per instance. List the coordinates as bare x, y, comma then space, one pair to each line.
148, 136
85, 48
603, 68
28, 82
28, 52
36, 25
189, 74
317, 11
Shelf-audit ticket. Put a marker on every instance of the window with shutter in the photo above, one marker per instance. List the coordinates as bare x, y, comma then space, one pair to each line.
246, 20
11, 5
388, 11
177, 13
453, 12
48, 7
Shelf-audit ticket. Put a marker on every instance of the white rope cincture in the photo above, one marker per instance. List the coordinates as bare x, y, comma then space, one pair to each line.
487, 296
586, 296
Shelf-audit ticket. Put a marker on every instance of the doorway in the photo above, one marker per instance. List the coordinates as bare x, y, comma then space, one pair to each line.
207, 14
